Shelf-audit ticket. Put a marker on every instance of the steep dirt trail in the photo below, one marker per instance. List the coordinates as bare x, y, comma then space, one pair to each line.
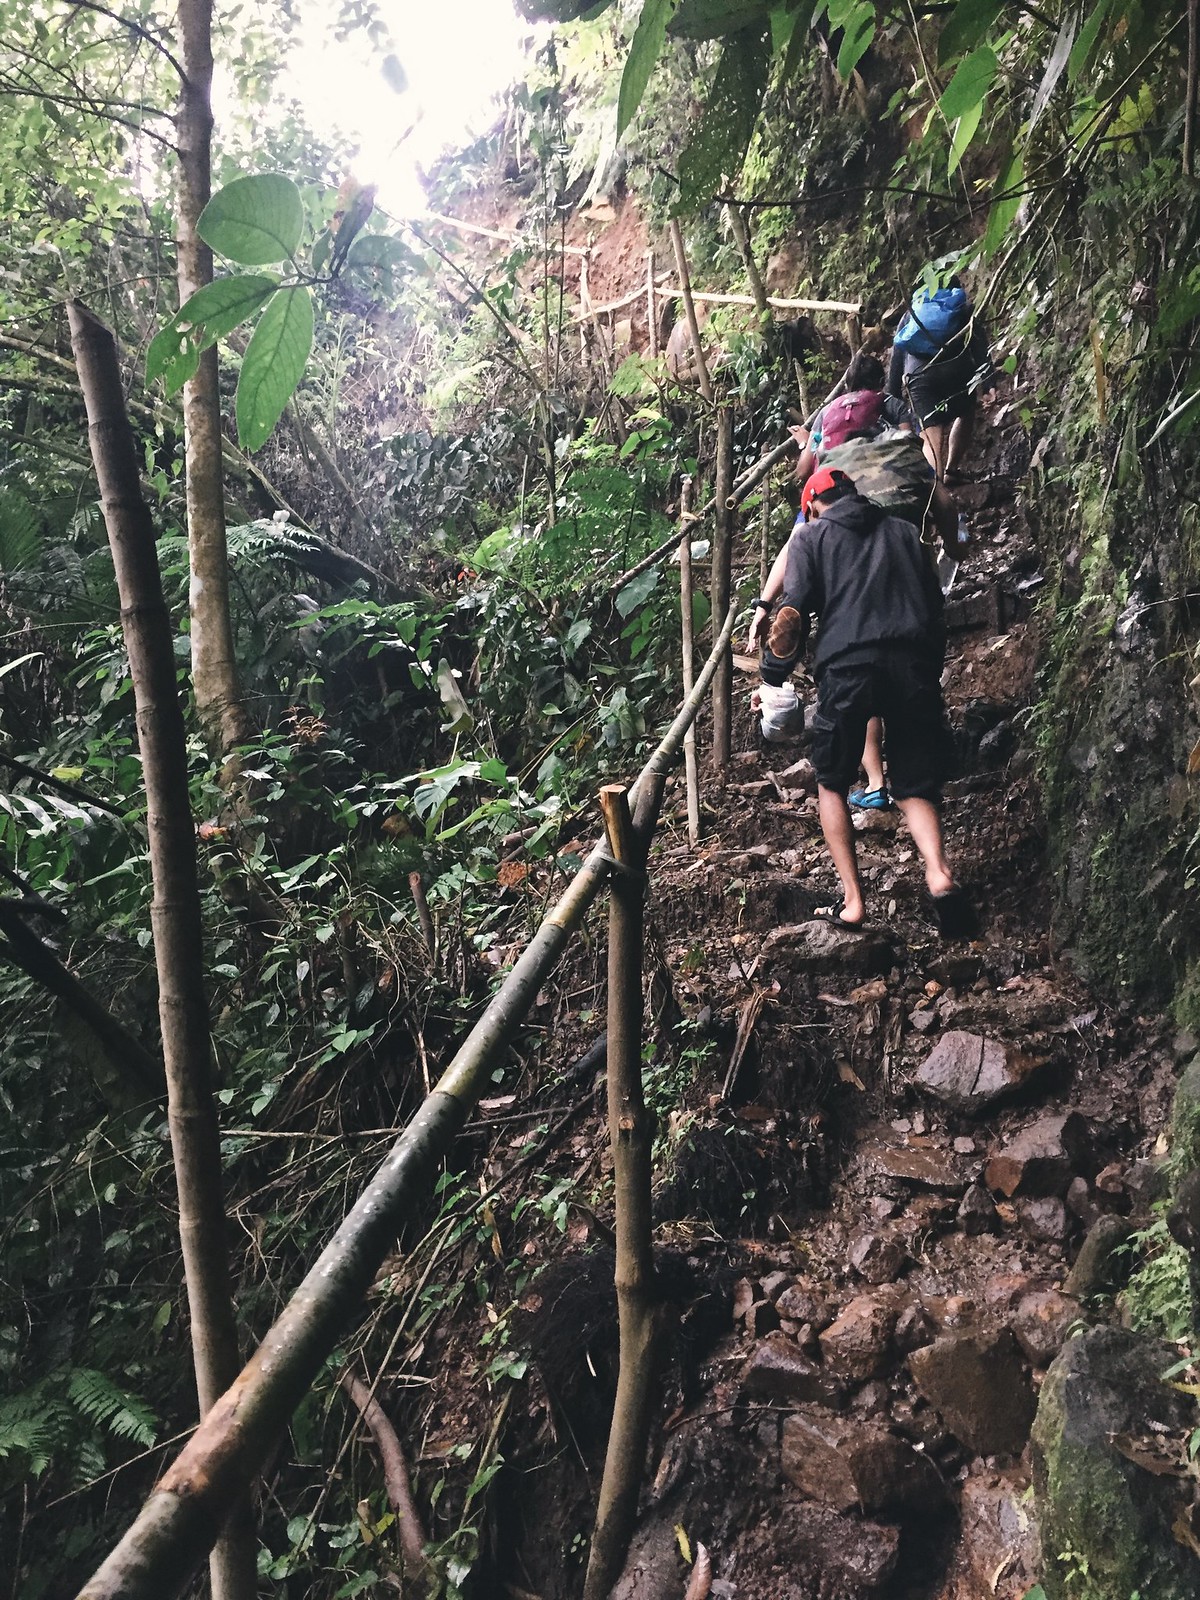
919, 1134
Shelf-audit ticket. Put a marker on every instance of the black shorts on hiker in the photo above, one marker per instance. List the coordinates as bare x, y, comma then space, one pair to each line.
905, 690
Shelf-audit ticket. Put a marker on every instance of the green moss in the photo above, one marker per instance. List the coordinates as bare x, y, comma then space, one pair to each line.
1185, 1123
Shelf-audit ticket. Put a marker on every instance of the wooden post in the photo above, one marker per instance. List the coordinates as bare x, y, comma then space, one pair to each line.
689, 306
651, 307
742, 237
853, 334
585, 306
721, 584
631, 1134
691, 775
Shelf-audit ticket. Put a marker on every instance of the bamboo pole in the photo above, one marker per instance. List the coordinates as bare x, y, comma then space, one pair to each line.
651, 308
764, 540
689, 306
741, 235
183, 1515
691, 774
721, 588
175, 909
631, 1136
674, 291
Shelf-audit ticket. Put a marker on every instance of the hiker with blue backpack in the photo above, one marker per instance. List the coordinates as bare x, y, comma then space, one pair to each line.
940, 363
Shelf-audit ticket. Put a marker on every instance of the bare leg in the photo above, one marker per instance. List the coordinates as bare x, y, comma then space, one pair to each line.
872, 756
962, 432
925, 824
934, 436
839, 841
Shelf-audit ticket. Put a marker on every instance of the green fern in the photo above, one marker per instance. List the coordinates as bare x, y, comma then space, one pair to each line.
20, 532
121, 1413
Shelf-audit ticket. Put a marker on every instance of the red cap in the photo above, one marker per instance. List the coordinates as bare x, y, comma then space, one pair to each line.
822, 481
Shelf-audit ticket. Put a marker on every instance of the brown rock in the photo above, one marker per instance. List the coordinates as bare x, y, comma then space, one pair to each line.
921, 1021
1103, 1263
977, 1382
778, 1370
1111, 1179
914, 1327
743, 1298
823, 947
876, 1258
774, 1284
928, 1169
999, 1537
848, 1465
1042, 1159
972, 1073
858, 1344
803, 1302
1041, 1322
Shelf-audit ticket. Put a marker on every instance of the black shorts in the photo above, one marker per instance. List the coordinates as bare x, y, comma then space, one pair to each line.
940, 393
905, 690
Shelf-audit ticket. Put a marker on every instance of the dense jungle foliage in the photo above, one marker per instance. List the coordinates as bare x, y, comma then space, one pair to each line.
431, 484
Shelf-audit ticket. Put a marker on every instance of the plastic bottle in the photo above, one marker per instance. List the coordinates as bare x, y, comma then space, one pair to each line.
782, 713
963, 537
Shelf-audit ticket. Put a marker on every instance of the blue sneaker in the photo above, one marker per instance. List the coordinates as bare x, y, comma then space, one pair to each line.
870, 799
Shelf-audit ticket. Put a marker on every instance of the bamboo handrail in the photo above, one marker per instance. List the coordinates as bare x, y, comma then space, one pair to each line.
184, 1514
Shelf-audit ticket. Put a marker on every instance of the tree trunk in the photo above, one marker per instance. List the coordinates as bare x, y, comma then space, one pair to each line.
741, 236
691, 772
722, 583
631, 1137
219, 704
175, 909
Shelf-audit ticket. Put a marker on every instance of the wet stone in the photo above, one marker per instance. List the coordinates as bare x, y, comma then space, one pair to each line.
977, 1213
1041, 1322
1042, 1159
876, 1258
977, 1383
779, 1370
999, 1537
858, 1344
1044, 1221
850, 1553
1103, 1264
972, 1073
804, 1302
914, 1328
927, 1169
821, 947
849, 1464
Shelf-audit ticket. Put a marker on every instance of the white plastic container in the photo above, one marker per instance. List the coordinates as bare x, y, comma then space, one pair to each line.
782, 713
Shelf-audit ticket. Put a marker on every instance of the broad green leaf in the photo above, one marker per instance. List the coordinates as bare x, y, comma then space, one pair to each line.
1087, 38
971, 81
644, 51
1135, 114
636, 591
717, 146
858, 31
1053, 72
713, 19
783, 25
966, 26
801, 30
20, 532
1006, 204
207, 316
273, 364
964, 132
254, 220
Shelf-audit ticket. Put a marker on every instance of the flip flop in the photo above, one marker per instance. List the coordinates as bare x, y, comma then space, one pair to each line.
954, 914
833, 916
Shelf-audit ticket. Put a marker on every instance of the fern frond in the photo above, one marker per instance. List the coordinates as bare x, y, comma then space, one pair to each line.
122, 1413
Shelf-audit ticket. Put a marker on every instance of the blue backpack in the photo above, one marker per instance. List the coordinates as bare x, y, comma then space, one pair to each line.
932, 320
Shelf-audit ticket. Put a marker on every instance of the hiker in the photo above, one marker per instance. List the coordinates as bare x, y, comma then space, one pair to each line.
880, 651
863, 411
940, 362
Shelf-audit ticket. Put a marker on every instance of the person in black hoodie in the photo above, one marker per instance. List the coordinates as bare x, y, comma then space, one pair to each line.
880, 650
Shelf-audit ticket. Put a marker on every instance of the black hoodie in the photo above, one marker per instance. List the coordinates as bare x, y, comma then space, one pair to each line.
869, 579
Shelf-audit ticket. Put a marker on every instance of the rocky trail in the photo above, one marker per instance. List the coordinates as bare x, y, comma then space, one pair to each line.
896, 1172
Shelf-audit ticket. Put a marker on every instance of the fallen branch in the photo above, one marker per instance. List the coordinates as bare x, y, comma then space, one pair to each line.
395, 1470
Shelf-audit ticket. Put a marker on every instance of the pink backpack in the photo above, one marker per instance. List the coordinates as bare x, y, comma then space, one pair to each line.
851, 416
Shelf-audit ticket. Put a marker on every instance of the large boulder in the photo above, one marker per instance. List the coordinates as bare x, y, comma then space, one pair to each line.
1100, 1512
852, 1465
1042, 1159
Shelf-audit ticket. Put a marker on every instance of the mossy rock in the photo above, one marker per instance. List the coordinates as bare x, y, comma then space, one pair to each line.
1106, 1523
